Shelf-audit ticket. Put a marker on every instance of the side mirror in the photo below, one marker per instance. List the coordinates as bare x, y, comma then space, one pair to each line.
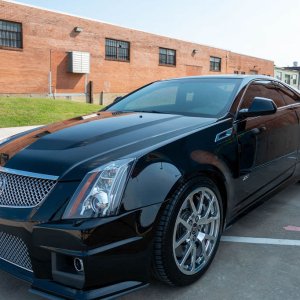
259, 107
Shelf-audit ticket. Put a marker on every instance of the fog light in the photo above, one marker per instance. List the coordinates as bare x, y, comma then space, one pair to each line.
78, 264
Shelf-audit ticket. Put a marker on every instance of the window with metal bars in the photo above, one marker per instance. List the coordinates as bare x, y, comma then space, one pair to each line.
10, 34
117, 50
167, 57
215, 64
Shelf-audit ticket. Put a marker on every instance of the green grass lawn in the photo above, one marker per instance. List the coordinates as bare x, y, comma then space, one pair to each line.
34, 111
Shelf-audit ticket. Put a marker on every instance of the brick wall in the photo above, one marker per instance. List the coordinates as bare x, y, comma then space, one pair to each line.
48, 36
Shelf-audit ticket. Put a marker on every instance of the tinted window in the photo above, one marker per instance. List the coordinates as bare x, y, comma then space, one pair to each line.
289, 96
265, 89
196, 97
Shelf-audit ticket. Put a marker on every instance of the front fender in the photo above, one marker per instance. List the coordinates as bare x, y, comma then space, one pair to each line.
149, 184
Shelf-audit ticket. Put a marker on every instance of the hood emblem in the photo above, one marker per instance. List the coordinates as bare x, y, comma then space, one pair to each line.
3, 182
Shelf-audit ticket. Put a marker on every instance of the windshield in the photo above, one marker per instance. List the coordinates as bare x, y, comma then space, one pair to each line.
205, 97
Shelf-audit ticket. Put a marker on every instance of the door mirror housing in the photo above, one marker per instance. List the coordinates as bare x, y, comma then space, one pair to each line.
259, 107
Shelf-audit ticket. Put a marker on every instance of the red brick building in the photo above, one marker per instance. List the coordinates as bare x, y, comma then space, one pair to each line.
36, 56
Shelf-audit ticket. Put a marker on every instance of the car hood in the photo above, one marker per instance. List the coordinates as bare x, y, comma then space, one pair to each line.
71, 148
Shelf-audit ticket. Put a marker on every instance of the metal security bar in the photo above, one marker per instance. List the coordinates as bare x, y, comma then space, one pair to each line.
117, 50
10, 34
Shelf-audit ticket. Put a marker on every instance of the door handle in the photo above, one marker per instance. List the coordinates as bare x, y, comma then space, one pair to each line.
257, 131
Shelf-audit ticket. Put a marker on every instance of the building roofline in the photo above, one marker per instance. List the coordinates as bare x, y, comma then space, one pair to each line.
139, 30
291, 69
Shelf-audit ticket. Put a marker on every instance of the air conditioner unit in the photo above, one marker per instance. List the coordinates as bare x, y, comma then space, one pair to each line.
79, 62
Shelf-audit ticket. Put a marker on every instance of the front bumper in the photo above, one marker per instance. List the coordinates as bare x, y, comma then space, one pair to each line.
116, 253
54, 291
51, 290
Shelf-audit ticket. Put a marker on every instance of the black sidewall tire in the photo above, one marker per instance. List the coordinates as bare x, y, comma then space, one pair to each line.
172, 274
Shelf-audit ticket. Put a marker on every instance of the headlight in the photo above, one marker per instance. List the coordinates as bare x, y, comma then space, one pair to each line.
100, 192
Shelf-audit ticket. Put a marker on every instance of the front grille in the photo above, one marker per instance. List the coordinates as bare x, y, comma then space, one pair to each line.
14, 250
23, 191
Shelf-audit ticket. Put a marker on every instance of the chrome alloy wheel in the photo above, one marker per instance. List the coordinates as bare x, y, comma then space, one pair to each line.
196, 230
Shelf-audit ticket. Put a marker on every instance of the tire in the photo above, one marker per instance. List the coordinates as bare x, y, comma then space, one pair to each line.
183, 230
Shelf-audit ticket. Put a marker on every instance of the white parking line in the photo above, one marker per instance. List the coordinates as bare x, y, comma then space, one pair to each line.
264, 241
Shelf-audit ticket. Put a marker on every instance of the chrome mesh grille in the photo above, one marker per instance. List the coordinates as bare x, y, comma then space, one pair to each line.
23, 191
14, 250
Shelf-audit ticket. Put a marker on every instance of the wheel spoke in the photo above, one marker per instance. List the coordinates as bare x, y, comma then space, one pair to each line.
186, 255
212, 219
210, 206
185, 223
193, 258
201, 204
210, 237
192, 204
203, 221
206, 221
182, 239
204, 254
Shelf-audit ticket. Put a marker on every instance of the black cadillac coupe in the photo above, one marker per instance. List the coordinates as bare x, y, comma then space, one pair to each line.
92, 207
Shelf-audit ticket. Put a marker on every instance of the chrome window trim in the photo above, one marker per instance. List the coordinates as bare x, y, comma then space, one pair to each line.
243, 95
28, 174
287, 106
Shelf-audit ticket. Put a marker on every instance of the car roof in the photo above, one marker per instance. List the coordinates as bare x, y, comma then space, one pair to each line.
246, 79
232, 76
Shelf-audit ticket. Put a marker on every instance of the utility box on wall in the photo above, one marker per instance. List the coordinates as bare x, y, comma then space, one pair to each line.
79, 62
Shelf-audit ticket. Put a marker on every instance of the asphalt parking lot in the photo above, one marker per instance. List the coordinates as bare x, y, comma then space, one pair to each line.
259, 258
246, 270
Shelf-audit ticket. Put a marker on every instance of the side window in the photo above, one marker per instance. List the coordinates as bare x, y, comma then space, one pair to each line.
265, 89
289, 96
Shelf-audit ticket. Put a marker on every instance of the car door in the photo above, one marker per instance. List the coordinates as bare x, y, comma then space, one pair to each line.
267, 144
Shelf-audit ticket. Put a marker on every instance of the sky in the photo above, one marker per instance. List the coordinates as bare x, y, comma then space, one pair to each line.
268, 29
